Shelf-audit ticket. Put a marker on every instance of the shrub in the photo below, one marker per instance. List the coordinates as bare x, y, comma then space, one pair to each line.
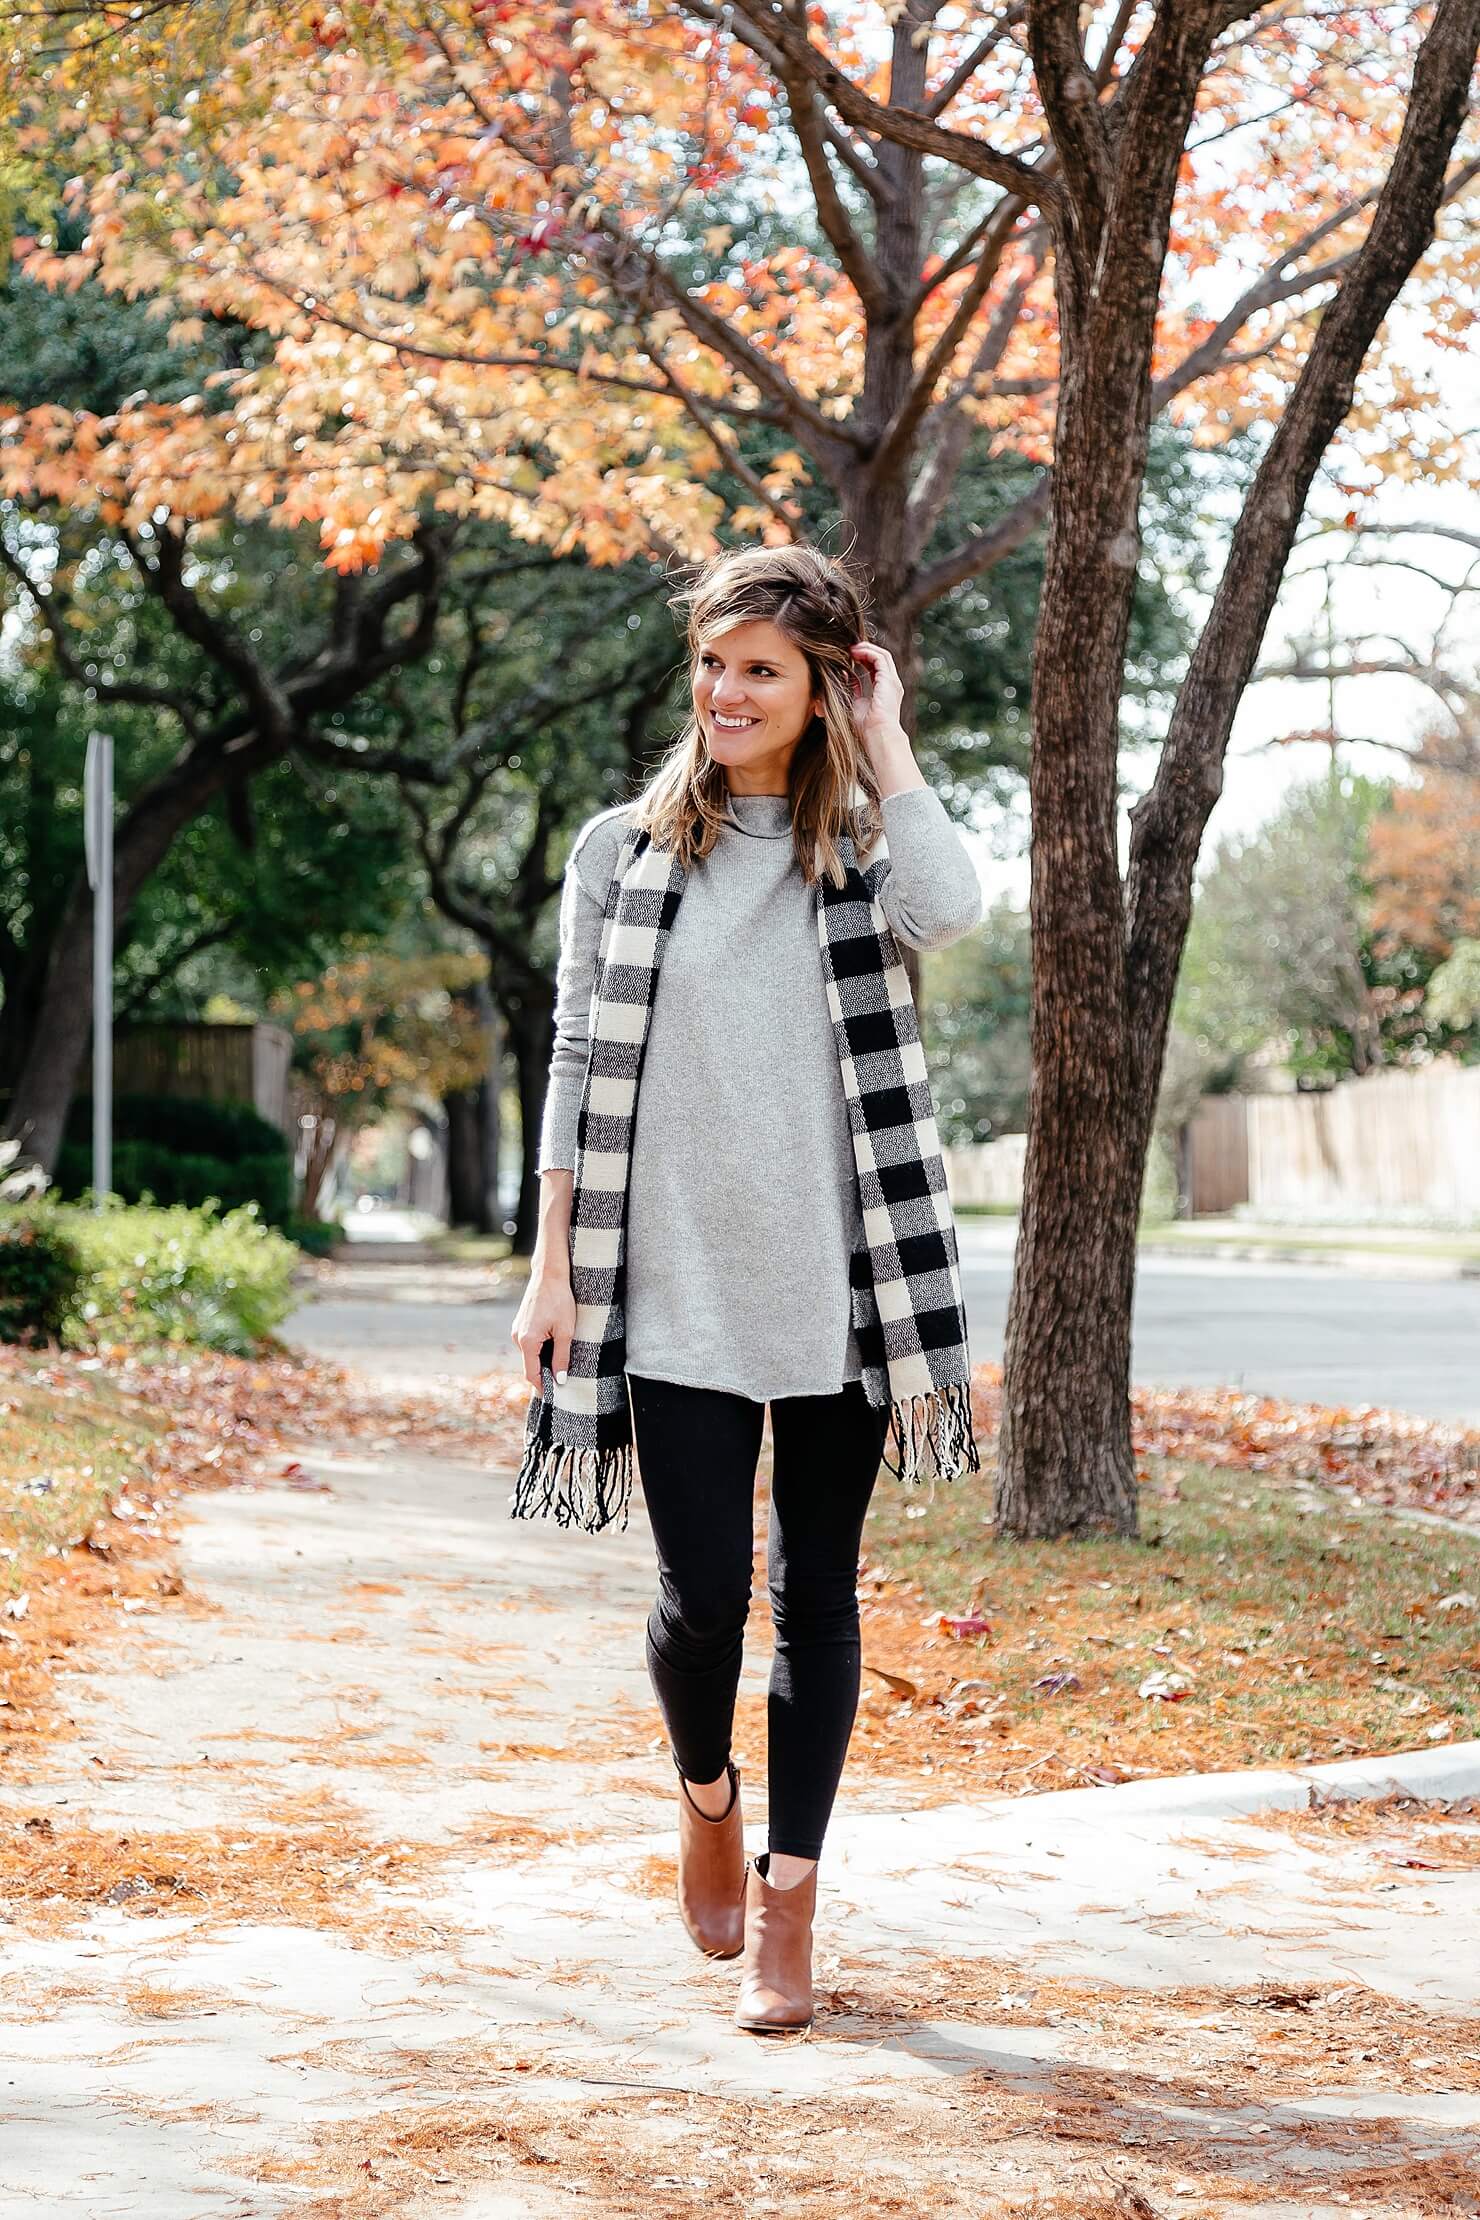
198, 1124
318, 1236
41, 1273
183, 1149
219, 1280
152, 1171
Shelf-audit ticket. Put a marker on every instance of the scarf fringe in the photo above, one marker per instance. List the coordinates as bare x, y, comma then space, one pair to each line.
938, 1422
592, 1488
589, 1488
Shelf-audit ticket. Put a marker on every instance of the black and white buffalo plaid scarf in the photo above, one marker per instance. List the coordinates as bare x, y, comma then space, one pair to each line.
905, 1280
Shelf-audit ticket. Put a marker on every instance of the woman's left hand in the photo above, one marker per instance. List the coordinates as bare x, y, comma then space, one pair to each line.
877, 702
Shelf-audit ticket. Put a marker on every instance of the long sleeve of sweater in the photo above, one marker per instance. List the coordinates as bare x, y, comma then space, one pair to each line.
930, 895
582, 910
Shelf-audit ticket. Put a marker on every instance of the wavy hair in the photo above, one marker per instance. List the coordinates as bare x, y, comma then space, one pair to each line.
820, 606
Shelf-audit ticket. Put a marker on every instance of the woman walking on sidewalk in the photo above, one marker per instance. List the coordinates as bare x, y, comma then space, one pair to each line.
763, 1219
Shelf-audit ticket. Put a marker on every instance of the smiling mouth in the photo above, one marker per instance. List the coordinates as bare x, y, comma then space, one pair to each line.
732, 724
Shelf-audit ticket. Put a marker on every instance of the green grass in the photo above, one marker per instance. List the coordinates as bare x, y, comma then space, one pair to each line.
1384, 1242
474, 1248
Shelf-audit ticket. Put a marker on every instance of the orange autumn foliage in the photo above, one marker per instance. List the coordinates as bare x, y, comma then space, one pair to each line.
457, 233
1425, 859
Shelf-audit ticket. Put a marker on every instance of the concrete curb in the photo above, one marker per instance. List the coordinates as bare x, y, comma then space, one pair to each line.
1450, 1770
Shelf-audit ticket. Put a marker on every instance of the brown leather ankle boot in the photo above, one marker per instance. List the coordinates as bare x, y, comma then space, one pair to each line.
776, 1983
711, 1873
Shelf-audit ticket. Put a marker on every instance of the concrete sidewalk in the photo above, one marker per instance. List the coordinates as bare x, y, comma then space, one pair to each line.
1051, 2005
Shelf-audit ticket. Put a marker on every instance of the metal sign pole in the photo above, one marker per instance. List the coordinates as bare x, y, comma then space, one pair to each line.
97, 819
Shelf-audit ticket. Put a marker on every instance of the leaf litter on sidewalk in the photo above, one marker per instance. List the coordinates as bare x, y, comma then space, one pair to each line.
971, 1690
1281, 1625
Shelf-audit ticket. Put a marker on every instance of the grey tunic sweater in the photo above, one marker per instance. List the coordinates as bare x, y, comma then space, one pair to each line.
742, 1198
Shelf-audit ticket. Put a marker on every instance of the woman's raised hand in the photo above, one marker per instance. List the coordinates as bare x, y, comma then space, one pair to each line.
878, 700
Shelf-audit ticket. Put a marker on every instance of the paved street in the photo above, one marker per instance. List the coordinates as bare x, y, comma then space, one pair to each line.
1319, 1333
1337, 1334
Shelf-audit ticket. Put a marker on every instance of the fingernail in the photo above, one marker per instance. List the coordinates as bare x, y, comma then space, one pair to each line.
560, 1375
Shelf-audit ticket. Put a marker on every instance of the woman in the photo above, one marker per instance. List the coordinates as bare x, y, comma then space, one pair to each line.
764, 1220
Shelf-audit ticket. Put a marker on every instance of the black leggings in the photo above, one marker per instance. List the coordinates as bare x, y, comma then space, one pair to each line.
697, 1452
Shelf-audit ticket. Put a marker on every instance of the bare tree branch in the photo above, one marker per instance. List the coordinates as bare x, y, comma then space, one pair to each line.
1418, 530
786, 512
854, 258
862, 165
982, 550
1307, 670
984, 239
208, 630
1167, 823
146, 985
951, 428
1070, 96
639, 277
899, 434
785, 27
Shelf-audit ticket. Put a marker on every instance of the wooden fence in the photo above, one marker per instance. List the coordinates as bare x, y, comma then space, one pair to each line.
220, 1063
1213, 1155
1394, 1141
989, 1172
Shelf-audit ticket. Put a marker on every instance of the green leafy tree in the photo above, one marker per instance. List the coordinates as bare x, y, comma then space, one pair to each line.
249, 896
375, 1032
1282, 948
976, 1007
212, 656
1453, 999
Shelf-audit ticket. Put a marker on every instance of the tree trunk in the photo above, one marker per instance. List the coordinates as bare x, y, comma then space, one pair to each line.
52, 1058
466, 1198
531, 1038
323, 1141
1065, 1459
490, 1089
485, 1097
19, 1017
1066, 1464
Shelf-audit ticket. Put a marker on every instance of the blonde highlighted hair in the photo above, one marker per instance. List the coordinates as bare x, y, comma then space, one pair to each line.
820, 606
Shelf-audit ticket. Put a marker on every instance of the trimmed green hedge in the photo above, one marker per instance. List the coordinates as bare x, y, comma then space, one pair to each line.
191, 1122
217, 1280
181, 1149
318, 1236
146, 1171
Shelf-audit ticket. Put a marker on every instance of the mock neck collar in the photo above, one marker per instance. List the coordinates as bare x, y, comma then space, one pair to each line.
765, 816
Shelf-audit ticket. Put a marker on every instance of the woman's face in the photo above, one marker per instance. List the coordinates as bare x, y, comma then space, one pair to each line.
753, 698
